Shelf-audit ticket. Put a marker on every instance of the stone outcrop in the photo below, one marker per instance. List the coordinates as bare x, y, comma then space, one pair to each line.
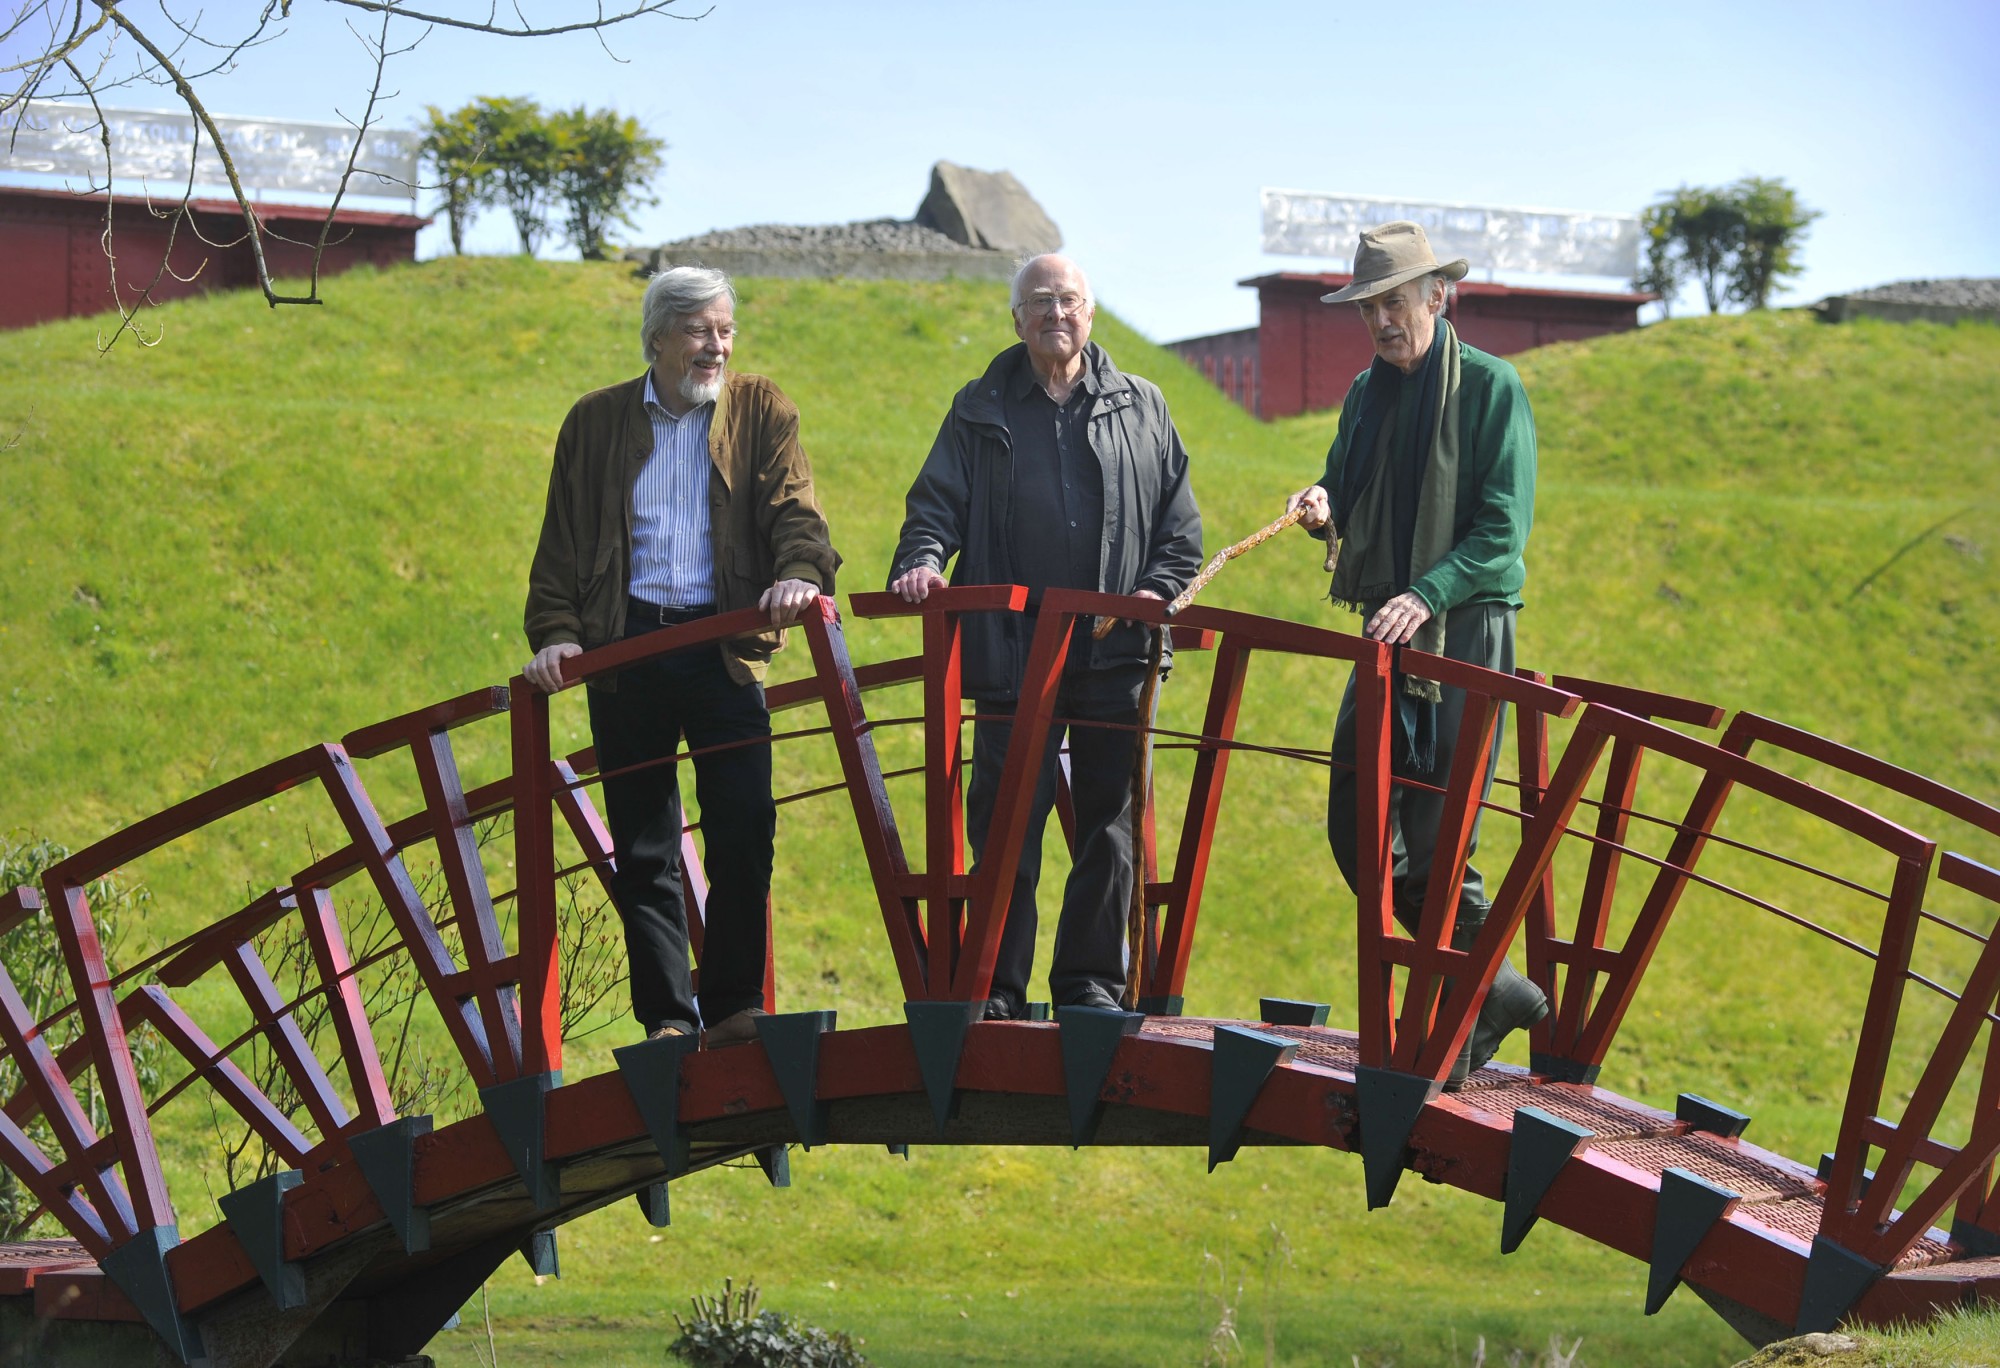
987, 209
1909, 301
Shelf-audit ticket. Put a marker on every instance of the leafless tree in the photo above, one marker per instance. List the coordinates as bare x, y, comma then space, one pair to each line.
84, 50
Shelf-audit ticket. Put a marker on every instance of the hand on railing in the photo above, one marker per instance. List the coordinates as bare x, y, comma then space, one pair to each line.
545, 670
787, 600
915, 585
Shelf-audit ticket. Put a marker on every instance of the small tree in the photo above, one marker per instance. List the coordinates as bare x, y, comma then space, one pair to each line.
1774, 223
1663, 269
522, 147
1738, 241
456, 152
603, 162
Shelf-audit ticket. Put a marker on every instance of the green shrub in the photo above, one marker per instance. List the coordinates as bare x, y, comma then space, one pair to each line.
730, 1332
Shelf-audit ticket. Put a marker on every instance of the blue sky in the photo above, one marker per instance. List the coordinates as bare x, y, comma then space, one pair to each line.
1147, 130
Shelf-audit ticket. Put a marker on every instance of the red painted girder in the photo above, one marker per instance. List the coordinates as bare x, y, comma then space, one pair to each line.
365, 743
1659, 707
534, 879
881, 842
1747, 729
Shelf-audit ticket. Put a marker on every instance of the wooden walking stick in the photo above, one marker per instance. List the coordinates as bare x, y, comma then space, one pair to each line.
1222, 558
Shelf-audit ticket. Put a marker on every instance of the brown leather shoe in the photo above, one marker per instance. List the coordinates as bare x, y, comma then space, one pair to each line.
739, 1029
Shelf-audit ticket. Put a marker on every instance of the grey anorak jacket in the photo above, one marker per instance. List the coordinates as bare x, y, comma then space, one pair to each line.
962, 505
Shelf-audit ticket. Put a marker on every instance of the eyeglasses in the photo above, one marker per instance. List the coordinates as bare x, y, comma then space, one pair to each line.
725, 333
1042, 305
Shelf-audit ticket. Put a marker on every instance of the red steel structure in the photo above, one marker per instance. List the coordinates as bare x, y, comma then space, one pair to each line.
377, 1225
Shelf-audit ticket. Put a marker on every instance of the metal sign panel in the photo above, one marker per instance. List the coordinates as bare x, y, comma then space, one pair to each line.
271, 156
1537, 241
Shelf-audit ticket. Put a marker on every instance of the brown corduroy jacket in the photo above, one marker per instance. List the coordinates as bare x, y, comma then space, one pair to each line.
765, 521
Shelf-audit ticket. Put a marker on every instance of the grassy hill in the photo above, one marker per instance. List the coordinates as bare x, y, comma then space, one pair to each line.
274, 527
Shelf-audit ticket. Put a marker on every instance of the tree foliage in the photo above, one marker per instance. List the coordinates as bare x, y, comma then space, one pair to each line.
1739, 241
603, 162
591, 167
455, 152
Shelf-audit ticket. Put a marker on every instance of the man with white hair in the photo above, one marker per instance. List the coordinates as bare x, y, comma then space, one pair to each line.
675, 496
1429, 489
1055, 469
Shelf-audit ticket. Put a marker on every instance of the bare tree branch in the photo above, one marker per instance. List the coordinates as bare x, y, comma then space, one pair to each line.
84, 49
598, 23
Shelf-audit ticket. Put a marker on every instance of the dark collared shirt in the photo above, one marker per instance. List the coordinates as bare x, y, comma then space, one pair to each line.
1058, 485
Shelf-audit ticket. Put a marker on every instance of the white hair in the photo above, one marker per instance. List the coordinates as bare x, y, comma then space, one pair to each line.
675, 293
1021, 271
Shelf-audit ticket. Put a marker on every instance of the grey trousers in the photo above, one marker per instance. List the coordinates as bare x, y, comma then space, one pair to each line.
1477, 634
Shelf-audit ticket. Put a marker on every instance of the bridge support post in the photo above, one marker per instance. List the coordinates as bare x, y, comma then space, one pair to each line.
1541, 1145
1689, 1207
791, 1042
1835, 1279
1291, 1012
139, 1267
1704, 1115
257, 1214
1243, 1061
1090, 1037
937, 1034
387, 1159
518, 1111
1389, 1102
652, 1073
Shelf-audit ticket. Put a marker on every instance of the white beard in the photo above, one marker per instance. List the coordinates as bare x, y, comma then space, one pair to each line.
697, 393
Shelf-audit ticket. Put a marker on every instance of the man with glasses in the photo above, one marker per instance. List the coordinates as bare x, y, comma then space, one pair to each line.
1054, 469
676, 496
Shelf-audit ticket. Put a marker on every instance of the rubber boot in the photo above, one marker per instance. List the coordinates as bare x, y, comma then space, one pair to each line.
1512, 1004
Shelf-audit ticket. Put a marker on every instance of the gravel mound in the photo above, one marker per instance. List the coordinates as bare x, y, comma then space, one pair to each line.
1950, 294
870, 235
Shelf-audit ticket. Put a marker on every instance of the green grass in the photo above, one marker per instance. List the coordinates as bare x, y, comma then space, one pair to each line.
278, 526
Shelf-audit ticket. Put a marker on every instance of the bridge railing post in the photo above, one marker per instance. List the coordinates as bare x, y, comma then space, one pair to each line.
539, 945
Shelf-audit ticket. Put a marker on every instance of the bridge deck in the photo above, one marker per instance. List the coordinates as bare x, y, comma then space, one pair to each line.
1011, 1089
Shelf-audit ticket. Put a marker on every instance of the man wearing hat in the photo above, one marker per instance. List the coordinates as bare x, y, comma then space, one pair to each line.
1429, 489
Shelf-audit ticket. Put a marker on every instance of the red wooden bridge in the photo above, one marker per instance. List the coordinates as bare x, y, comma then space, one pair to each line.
376, 1226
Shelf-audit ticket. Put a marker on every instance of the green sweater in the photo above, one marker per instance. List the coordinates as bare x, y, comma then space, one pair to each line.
1496, 484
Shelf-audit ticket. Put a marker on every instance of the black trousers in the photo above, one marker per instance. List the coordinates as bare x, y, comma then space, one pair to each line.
657, 703
1477, 634
1090, 935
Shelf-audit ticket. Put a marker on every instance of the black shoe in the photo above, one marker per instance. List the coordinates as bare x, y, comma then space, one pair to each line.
1512, 1004
999, 1008
1094, 995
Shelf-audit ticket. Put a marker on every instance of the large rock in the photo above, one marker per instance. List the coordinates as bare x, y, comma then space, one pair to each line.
988, 209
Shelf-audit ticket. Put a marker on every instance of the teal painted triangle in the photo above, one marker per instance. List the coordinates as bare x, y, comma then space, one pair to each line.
791, 1041
257, 1214
937, 1034
1388, 1103
386, 1157
1090, 1038
139, 1267
1541, 1145
1688, 1208
652, 1073
1243, 1060
518, 1110
1835, 1279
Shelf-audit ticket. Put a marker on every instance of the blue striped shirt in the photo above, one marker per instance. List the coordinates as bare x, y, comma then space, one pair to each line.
673, 561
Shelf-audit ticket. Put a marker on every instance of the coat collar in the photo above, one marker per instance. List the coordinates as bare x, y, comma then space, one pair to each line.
984, 399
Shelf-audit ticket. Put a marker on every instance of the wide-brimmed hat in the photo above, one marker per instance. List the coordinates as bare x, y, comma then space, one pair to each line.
1387, 257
